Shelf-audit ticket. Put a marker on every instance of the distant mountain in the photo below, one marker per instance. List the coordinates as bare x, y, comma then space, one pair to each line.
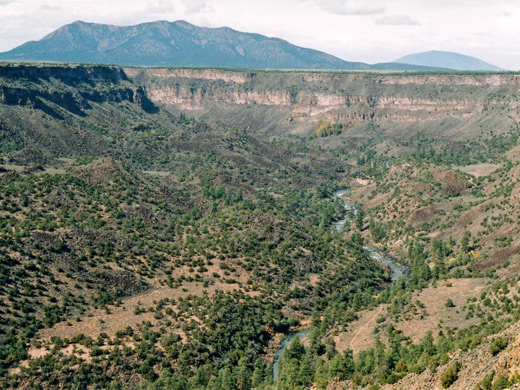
179, 44
449, 60
405, 67
172, 44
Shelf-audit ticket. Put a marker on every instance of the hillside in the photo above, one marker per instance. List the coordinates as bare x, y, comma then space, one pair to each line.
152, 236
444, 106
172, 44
178, 44
444, 59
167, 228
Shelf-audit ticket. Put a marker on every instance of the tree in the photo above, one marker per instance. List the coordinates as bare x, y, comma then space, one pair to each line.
227, 380
243, 374
451, 374
306, 371
296, 349
257, 377
464, 243
342, 366
360, 218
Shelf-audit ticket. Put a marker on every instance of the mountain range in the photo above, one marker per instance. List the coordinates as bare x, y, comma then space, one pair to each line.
181, 44
444, 59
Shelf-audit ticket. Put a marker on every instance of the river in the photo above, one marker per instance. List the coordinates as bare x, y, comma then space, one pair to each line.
396, 271
285, 344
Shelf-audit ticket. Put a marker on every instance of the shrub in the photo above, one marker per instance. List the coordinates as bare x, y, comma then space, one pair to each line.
485, 384
450, 375
500, 383
497, 345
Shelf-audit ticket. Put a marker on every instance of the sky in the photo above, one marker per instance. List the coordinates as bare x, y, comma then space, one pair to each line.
354, 30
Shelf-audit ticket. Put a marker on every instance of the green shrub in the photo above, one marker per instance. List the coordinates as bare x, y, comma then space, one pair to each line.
500, 383
450, 375
498, 344
485, 384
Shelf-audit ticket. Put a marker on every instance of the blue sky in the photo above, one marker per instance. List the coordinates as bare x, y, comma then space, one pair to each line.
354, 30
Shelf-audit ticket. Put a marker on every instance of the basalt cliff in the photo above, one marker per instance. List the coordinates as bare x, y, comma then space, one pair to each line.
460, 104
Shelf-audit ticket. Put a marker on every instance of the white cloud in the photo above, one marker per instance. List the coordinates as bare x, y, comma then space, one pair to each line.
160, 7
397, 20
50, 7
354, 30
198, 6
349, 7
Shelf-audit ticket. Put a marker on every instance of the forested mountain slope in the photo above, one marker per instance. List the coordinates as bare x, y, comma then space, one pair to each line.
166, 228
179, 43
154, 245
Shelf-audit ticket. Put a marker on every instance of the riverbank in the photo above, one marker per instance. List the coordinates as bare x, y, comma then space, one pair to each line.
396, 269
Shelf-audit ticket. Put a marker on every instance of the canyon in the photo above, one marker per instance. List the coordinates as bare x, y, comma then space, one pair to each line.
192, 207
463, 105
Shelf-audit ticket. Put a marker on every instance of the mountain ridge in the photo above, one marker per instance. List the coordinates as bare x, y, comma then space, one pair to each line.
180, 44
171, 43
446, 59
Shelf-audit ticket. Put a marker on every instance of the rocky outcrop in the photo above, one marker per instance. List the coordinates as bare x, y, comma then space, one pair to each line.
36, 87
70, 74
202, 74
336, 96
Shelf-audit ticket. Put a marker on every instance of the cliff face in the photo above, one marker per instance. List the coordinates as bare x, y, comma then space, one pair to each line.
303, 98
55, 88
331, 77
72, 74
67, 109
454, 106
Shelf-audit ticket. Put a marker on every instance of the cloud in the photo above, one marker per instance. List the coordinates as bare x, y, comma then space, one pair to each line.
4, 2
49, 7
397, 20
349, 7
160, 7
197, 6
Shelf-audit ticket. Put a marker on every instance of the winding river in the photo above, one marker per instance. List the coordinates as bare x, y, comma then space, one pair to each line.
396, 271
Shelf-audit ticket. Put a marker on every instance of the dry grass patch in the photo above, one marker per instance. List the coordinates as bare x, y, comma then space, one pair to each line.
438, 315
118, 318
477, 170
360, 335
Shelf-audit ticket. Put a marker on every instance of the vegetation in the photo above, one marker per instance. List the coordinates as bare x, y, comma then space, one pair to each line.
497, 345
214, 242
326, 129
450, 375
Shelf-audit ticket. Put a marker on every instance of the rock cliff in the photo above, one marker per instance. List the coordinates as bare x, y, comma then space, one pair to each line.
51, 88
458, 103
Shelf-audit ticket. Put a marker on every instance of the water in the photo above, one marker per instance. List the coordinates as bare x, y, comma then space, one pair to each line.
350, 208
285, 344
396, 270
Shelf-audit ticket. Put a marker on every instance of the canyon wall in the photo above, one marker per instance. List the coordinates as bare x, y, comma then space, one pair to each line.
53, 88
300, 99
